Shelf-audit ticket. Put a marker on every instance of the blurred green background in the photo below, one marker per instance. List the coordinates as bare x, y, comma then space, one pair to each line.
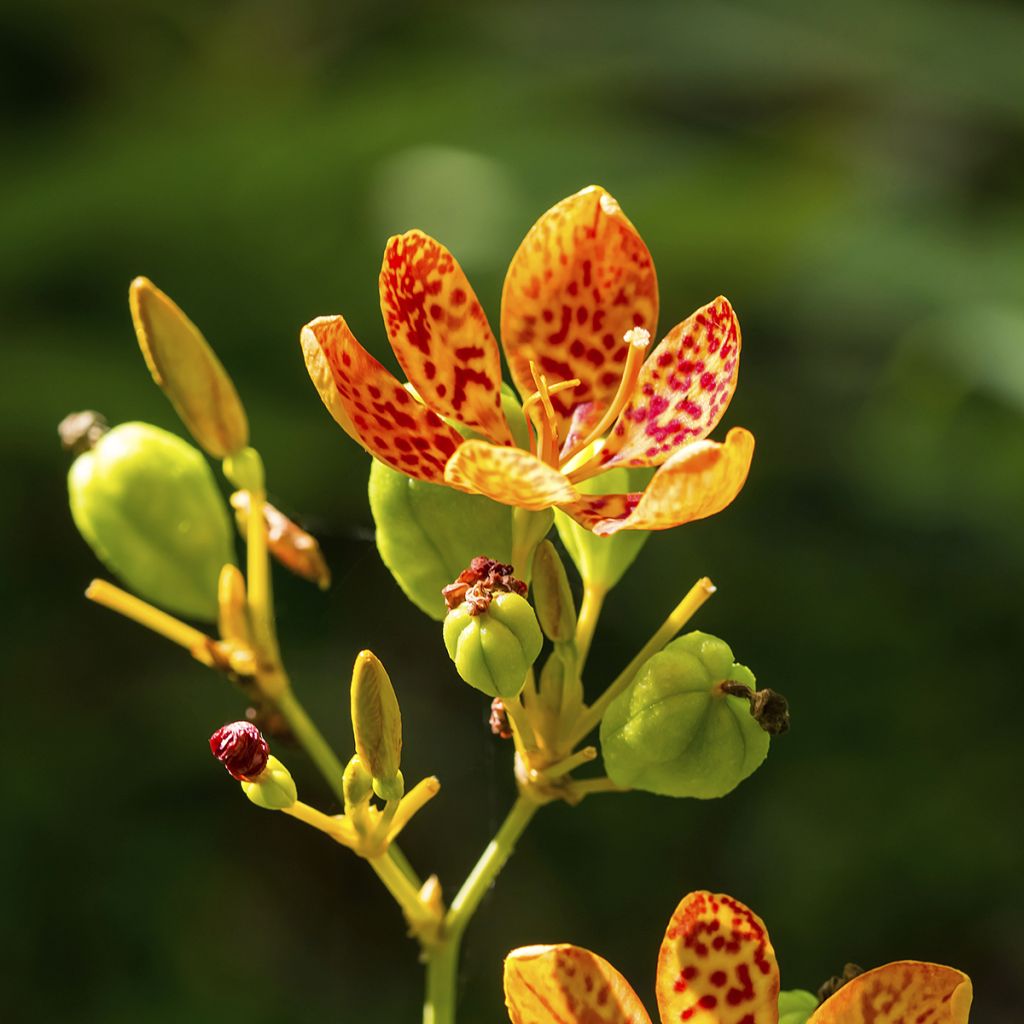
848, 174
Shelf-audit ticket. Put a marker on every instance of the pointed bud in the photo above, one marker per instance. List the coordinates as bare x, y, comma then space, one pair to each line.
357, 784
297, 550
188, 371
377, 724
241, 748
274, 790
552, 597
430, 896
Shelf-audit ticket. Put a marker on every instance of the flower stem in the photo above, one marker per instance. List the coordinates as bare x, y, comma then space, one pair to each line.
590, 612
680, 615
443, 959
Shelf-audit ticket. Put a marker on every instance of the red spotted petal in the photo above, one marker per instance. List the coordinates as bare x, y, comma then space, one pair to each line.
567, 985
683, 390
698, 481
581, 278
440, 334
906, 992
717, 965
371, 406
509, 475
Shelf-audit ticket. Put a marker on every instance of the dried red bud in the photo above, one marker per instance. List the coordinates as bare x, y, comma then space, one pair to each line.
241, 748
498, 721
477, 585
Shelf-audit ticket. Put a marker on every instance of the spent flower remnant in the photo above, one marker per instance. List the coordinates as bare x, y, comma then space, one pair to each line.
579, 305
717, 966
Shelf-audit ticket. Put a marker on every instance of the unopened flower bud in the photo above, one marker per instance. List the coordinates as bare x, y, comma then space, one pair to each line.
356, 782
376, 723
188, 371
274, 790
676, 730
297, 550
241, 748
148, 505
233, 613
552, 597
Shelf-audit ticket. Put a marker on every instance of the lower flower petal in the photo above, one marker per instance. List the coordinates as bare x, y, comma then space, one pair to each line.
568, 985
371, 406
509, 475
717, 965
697, 482
907, 990
683, 390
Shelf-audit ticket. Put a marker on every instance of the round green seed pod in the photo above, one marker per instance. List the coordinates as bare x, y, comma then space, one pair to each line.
494, 649
674, 732
148, 505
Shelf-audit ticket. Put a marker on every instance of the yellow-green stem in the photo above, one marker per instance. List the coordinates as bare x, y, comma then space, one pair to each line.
590, 612
443, 959
680, 615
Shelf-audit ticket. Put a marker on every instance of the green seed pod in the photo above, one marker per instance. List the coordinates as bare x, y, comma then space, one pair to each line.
556, 610
494, 649
796, 1005
274, 790
427, 533
674, 732
148, 505
603, 561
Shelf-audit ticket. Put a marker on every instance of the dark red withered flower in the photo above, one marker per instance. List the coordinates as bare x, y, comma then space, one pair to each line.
241, 748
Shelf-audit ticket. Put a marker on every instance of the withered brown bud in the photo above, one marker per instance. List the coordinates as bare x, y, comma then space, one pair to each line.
499, 720
241, 748
829, 988
767, 707
477, 585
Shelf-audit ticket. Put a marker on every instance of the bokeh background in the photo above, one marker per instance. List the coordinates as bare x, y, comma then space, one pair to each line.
849, 174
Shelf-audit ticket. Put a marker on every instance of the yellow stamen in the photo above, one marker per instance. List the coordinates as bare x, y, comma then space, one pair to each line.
638, 338
547, 425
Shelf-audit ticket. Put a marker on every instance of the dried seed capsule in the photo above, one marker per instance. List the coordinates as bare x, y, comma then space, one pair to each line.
675, 731
241, 748
148, 505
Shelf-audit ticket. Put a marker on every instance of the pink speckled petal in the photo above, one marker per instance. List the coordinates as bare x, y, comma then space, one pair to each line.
683, 390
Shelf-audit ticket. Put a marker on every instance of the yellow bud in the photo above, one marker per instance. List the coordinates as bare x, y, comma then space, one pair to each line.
356, 783
297, 550
233, 615
376, 721
430, 896
188, 371
552, 598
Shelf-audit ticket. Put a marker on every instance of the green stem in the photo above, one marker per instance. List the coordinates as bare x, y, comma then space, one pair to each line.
680, 615
312, 740
590, 612
443, 958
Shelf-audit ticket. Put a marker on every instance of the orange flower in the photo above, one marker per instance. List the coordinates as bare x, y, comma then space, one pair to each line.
717, 966
577, 311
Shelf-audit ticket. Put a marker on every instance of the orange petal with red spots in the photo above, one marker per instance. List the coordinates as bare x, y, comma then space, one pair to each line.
581, 278
699, 480
509, 475
717, 965
683, 390
568, 985
440, 334
584, 418
371, 406
908, 991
